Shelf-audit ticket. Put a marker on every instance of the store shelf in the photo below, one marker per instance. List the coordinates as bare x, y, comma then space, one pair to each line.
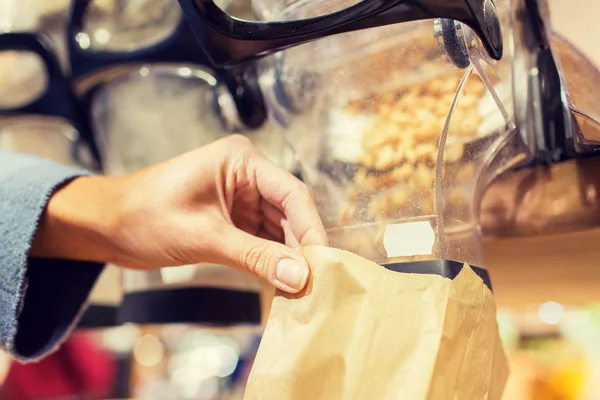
563, 268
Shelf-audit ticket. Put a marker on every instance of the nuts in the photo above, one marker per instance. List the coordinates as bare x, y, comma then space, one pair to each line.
426, 153
423, 178
397, 168
453, 152
390, 204
403, 173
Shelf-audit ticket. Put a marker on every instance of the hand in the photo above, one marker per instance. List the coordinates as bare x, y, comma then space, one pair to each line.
223, 203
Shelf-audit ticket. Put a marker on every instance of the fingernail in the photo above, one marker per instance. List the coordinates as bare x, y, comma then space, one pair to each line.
292, 273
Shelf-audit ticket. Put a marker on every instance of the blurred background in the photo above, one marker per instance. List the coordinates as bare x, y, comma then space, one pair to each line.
547, 285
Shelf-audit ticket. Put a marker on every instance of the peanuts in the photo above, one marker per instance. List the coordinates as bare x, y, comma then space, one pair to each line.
391, 204
426, 153
454, 152
403, 173
423, 178
400, 149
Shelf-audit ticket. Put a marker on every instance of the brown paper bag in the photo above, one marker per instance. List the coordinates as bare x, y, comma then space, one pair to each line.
360, 331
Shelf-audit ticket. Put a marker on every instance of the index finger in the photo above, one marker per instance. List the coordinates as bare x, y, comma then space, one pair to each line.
293, 198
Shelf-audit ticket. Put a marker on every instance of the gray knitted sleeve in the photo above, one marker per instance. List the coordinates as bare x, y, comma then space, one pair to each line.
40, 299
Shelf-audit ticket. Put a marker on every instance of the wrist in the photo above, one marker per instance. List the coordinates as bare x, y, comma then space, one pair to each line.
81, 220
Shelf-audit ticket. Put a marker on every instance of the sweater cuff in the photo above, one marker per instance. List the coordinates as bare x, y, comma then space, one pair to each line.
40, 300
54, 300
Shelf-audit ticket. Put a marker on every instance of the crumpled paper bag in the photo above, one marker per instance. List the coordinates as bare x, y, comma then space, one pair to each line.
360, 331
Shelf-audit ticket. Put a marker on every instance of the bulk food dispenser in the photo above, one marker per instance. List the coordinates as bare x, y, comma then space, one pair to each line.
403, 133
402, 113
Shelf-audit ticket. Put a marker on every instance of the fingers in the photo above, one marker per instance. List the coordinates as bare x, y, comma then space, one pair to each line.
272, 232
290, 239
272, 213
277, 264
288, 194
273, 220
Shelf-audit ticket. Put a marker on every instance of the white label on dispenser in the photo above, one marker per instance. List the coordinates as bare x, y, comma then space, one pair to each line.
408, 239
185, 273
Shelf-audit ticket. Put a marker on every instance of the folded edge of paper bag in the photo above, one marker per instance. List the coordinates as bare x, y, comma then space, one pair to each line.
471, 362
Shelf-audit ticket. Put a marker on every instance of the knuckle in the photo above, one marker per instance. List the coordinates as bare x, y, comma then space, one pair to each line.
299, 192
303, 234
304, 190
300, 196
240, 140
257, 259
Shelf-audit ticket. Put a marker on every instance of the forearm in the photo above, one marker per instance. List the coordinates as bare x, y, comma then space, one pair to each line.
79, 221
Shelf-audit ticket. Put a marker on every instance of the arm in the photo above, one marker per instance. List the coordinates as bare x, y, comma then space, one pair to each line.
223, 203
79, 221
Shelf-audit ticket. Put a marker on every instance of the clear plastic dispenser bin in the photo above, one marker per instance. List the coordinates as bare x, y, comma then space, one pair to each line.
398, 130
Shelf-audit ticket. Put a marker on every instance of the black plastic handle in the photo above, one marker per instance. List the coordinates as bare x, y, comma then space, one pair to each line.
229, 41
58, 100
444, 268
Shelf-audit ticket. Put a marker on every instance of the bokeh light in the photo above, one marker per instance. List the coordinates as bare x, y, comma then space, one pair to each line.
148, 350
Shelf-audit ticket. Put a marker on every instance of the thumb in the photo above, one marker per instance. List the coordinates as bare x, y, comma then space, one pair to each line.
281, 266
